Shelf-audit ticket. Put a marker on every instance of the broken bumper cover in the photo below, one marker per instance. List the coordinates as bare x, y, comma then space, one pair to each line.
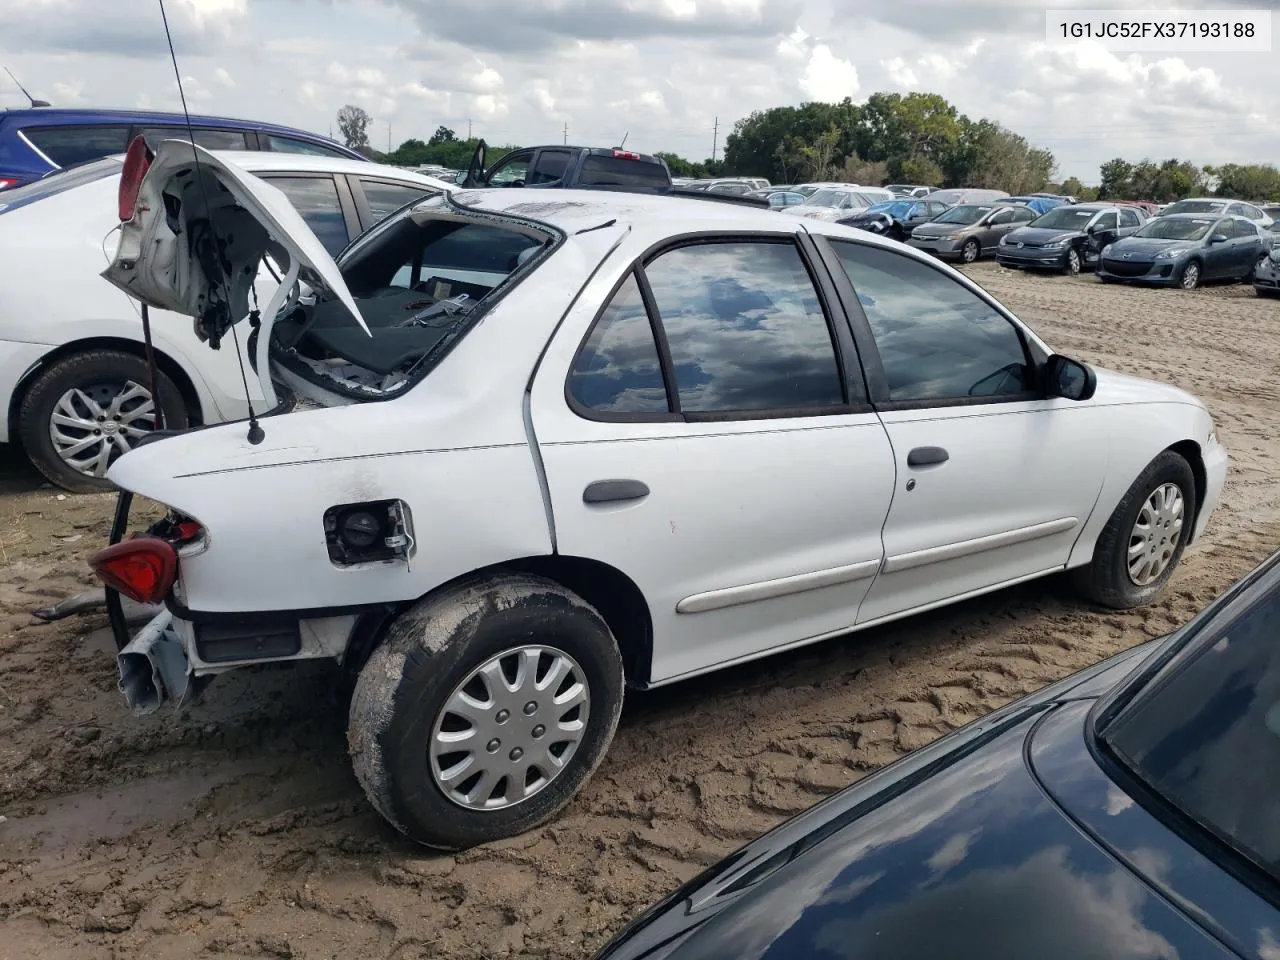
154, 667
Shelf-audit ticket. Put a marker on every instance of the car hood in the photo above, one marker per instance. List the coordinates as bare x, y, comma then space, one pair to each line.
954, 851
935, 229
1147, 247
1117, 388
1041, 235
200, 230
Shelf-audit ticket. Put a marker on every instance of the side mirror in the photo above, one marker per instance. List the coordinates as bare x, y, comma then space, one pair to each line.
1218, 238
1069, 379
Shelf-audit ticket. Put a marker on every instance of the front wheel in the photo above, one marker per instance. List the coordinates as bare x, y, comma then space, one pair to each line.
1071, 262
86, 410
1189, 279
1143, 540
485, 710
970, 252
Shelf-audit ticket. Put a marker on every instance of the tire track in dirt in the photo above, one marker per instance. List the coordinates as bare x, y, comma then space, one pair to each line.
238, 830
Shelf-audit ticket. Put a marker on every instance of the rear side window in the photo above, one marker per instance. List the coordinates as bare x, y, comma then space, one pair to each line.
205, 137
602, 171
273, 141
1246, 229
316, 198
58, 182
385, 198
69, 146
550, 166
617, 370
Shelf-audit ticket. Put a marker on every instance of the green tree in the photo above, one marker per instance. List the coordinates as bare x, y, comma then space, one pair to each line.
1117, 177
1258, 182
442, 135
354, 122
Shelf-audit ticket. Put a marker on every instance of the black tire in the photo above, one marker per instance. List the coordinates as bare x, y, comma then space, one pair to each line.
1264, 292
1253, 271
92, 371
971, 252
1072, 262
1189, 279
1106, 580
431, 649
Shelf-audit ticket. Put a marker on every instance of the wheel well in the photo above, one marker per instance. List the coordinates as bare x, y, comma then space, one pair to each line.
170, 367
1189, 450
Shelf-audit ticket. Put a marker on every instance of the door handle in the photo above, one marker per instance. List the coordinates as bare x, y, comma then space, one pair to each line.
614, 491
927, 456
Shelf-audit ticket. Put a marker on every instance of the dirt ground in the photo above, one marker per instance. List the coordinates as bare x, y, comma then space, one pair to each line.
239, 830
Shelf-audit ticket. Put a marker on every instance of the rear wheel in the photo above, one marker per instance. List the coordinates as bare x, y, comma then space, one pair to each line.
1143, 540
86, 410
485, 710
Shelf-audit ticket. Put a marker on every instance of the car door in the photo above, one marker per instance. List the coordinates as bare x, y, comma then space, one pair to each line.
1248, 247
994, 482
706, 432
996, 226
1220, 257
1130, 221
1104, 229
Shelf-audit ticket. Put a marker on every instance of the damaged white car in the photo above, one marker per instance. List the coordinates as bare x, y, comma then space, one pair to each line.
529, 449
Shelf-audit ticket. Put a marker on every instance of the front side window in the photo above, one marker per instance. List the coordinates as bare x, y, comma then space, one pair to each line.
512, 172
617, 371
1204, 732
745, 328
1107, 221
316, 198
69, 146
938, 341
1023, 214
206, 137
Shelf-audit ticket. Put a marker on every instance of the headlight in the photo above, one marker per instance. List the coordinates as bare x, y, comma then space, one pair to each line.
1167, 254
1005, 240
1055, 244
1106, 249
1212, 439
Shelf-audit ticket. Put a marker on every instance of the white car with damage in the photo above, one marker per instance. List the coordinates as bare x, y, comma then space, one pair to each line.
540, 448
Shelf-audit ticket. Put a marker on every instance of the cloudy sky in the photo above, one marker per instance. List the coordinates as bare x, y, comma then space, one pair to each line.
662, 70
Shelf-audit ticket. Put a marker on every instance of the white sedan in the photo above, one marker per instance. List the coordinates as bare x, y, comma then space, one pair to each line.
543, 447
73, 379
836, 203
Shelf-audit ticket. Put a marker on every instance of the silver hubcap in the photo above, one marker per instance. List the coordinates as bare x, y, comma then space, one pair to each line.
510, 728
91, 426
1073, 261
970, 252
1190, 277
1155, 535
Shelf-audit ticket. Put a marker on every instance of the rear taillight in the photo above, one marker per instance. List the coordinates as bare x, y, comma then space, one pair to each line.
7, 182
626, 155
143, 568
136, 163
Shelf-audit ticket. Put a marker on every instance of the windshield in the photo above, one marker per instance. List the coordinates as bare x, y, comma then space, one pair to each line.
57, 182
1164, 228
1204, 731
416, 282
830, 198
967, 213
1064, 218
1195, 206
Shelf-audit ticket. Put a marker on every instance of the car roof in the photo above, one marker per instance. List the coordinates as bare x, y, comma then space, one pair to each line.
1201, 216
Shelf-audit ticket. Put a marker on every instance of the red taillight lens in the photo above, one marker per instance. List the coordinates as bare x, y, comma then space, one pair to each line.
143, 569
7, 182
136, 163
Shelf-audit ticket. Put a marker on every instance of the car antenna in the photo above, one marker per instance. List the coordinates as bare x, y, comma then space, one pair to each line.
256, 433
624, 140
34, 101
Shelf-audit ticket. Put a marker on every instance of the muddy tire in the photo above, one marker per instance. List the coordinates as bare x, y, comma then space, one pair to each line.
1143, 541
485, 710
77, 389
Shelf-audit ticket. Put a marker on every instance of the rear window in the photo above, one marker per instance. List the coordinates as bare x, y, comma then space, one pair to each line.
600, 171
58, 182
69, 146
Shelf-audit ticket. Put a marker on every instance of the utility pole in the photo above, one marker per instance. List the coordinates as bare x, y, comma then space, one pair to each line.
566, 133
468, 128
388, 136
715, 139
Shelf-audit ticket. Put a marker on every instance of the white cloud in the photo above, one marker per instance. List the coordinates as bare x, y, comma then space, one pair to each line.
827, 77
223, 77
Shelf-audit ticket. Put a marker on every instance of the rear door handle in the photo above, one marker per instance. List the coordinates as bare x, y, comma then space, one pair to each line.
927, 456
614, 491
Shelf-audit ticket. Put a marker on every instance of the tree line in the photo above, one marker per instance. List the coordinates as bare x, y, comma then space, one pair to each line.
917, 138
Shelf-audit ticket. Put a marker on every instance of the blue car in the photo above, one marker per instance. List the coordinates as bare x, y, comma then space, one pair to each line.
40, 140
1129, 812
1186, 249
1038, 204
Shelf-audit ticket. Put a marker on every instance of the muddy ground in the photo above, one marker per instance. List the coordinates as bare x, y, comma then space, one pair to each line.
239, 831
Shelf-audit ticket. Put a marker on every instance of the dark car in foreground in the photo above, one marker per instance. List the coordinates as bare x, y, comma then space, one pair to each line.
1186, 249
895, 218
1129, 811
44, 139
1266, 276
1068, 238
